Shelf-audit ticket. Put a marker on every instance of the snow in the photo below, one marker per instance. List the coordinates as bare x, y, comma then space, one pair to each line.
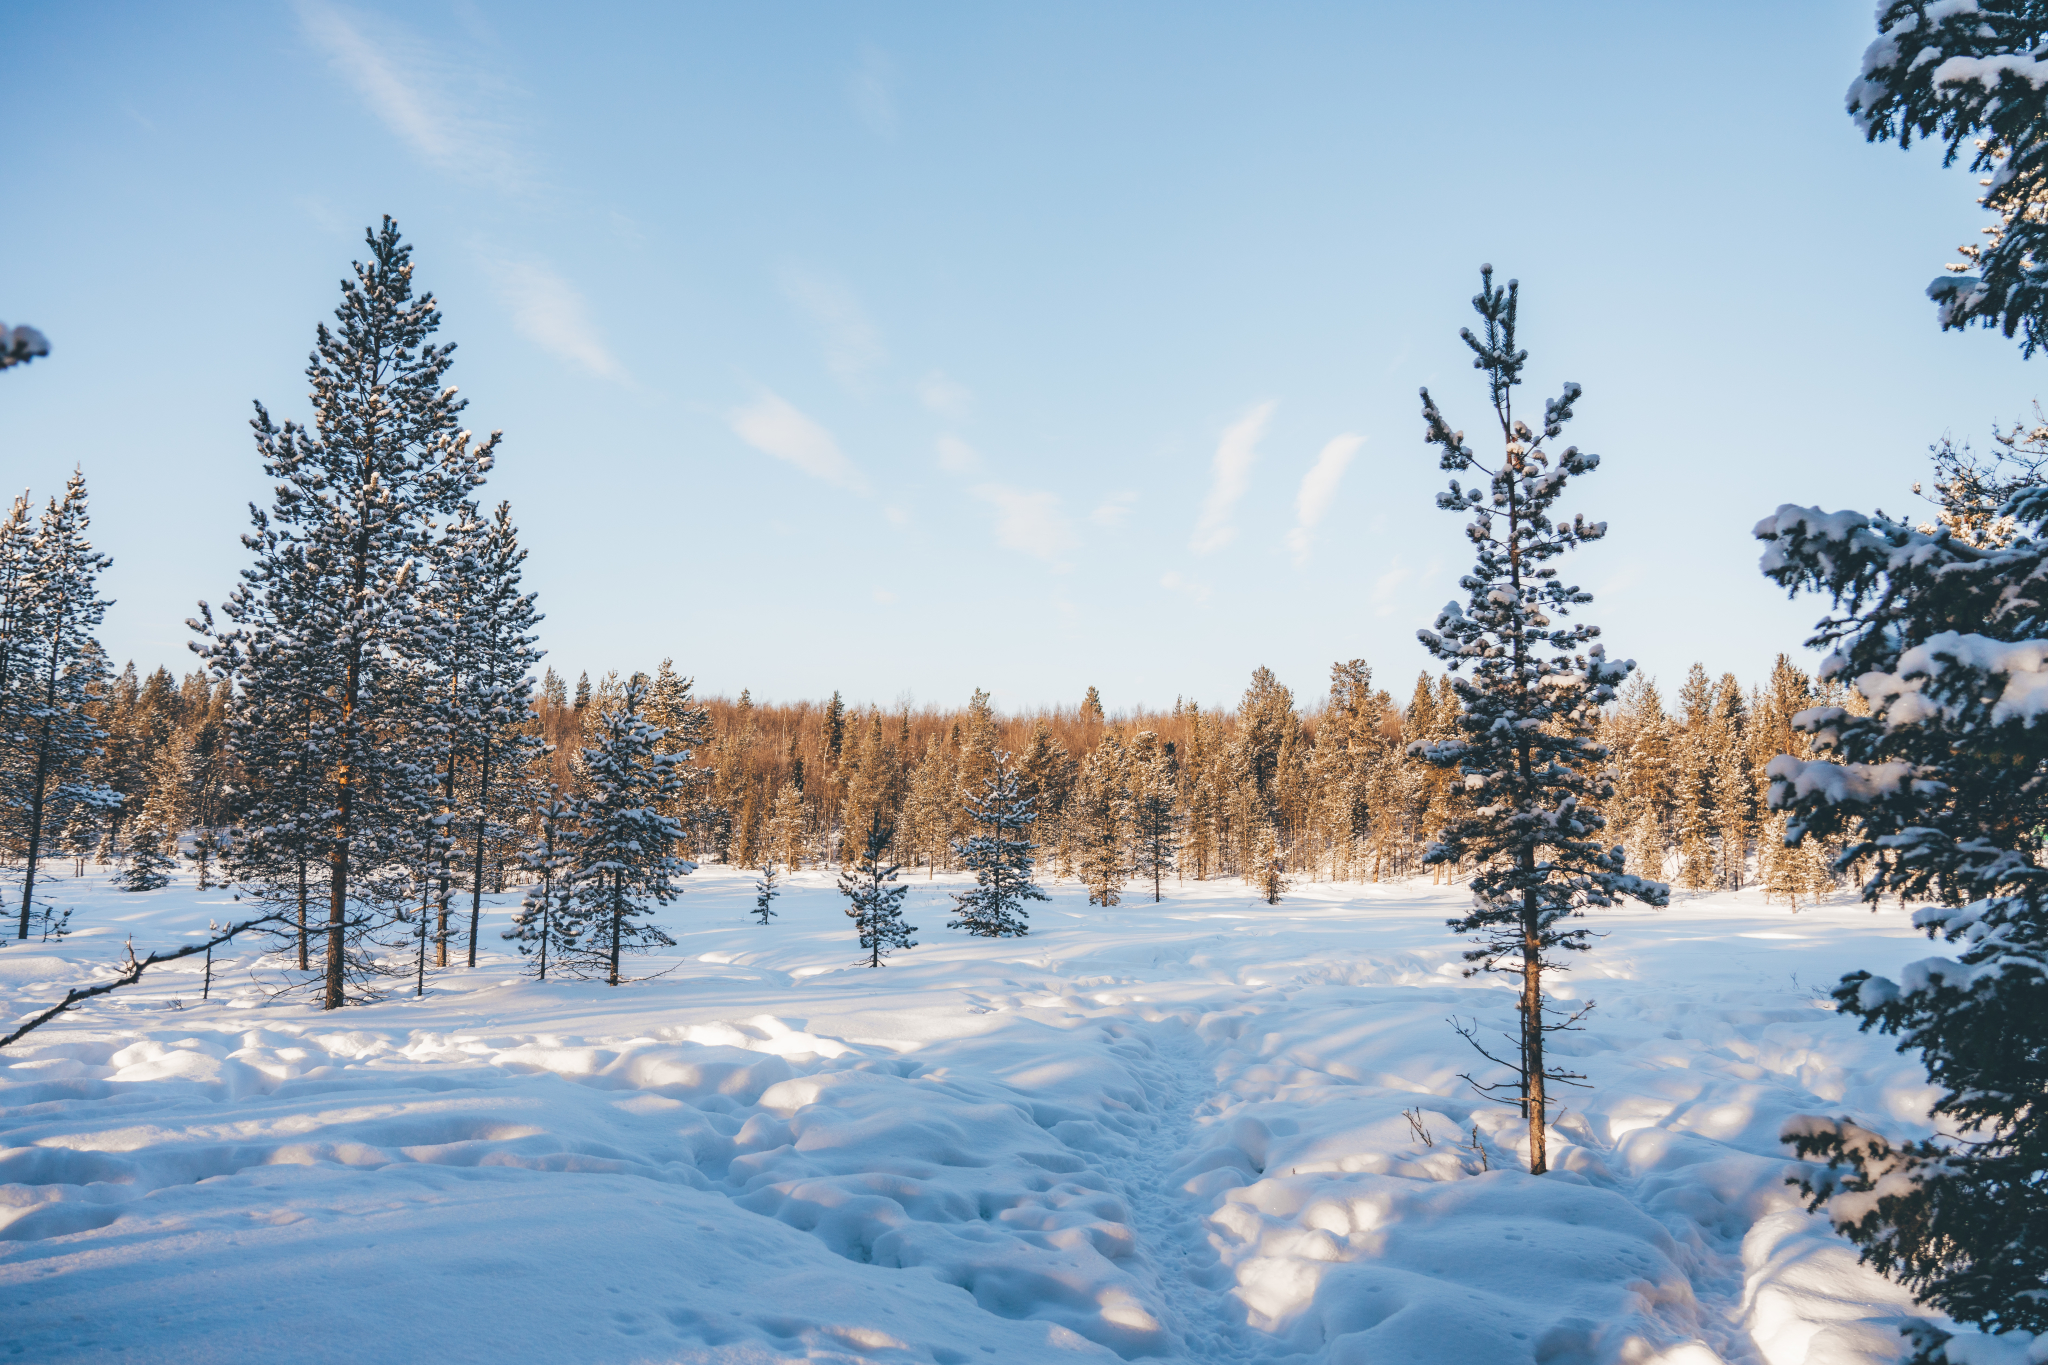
1171, 1132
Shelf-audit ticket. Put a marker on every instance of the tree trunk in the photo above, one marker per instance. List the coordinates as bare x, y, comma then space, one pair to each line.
476, 875
302, 912
1532, 1025
618, 925
37, 796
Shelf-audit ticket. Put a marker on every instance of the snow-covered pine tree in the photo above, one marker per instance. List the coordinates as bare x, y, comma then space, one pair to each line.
766, 889
1268, 873
48, 734
1734, 793
1970, 74
686, 729
1155, 817
146, 866
358, 495
875, 906
1941, 789
1530, 706
625, 863
786, 822
17, 534
1693, 781
1101, 818
999, 856
494, 720
546, 924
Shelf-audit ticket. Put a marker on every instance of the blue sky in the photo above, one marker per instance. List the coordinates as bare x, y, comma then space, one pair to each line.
906, 349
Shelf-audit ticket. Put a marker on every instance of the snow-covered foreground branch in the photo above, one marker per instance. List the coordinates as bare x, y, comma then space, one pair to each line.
1171, 1131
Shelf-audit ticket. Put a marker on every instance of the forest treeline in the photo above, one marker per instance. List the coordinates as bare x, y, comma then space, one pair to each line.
1326, 788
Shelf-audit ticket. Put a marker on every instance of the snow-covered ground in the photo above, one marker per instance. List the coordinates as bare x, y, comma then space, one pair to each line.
1166, 1131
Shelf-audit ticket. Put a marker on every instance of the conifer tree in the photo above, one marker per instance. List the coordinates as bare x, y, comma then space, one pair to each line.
496, 702
624, 864
1154, 834
786, 827
546, 921
1529, 708
1693, 780
1969, 74
1102, 817
876, 907
330, 615
1936, 781
766, 890
999, 856
1267, 873
146, 866
48, 734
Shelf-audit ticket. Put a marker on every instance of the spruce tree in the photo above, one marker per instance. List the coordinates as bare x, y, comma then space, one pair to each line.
999, 856
1526, 753
546, 923
1101, 818
1155, 841
874, 906
330, 615
146, 866
54, 667
1969, 75
766, 890
497, 702
625, 865
1938, 782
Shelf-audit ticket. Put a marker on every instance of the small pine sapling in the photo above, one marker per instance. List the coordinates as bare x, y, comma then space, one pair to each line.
876, 907
999, 857
765, 891
148, 867
546, 920
1269, 872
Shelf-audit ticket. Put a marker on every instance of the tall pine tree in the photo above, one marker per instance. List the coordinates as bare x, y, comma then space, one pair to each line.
625, 861
1530, 705
999, 856
359, 496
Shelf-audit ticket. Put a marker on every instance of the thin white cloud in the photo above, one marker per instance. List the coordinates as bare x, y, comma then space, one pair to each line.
1110, 513
872, 89
1318, 489
548, 311
771, 426
429, 102
1232, 476
956, 456
944, 396
1178, 582
1385, 586
1030, 521
853, 344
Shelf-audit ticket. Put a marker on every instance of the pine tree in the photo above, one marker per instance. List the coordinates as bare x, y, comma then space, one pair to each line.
1268, 874
1101, 818
625, 865
1529, 708
1694, 783
146, 866
1154, 812
48, 735
1966, 73
766, 890
496, 700
1091, 707
1936, 781
329, 619
546, 920
999, 856
786, 823
876, 907
582, 693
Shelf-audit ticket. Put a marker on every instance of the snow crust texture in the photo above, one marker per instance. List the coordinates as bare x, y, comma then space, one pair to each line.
1208, 1131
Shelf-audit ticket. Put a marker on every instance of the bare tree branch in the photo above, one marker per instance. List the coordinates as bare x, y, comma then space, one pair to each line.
132, 972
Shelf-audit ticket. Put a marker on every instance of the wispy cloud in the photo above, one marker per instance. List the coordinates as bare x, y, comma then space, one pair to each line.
428, 101
872, 89
1030, 521
944, 396
1110, 513
771, 426
1232, 476
1385, 586
853, 344
956, 456
548, 311
1318, 488
1176, 581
